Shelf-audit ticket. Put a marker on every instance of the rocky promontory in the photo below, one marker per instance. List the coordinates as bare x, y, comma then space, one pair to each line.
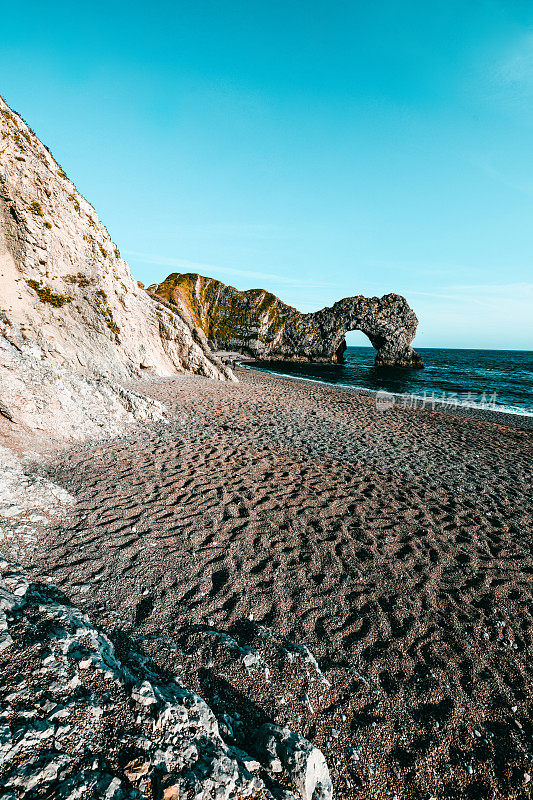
259, 324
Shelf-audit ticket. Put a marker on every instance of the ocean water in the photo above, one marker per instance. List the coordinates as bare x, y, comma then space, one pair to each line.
496, 379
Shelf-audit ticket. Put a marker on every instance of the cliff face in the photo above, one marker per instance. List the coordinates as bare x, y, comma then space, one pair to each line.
260, 325
68, 300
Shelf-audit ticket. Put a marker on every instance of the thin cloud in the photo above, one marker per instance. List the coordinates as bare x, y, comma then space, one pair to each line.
508, 80
496, 288
501, 178
223, 229
208, 269
516, 70
486, 295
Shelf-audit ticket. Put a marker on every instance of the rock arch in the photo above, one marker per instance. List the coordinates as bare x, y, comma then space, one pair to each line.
258, 324
388, 322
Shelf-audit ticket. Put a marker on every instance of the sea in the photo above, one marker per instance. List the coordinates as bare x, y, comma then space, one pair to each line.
499, 380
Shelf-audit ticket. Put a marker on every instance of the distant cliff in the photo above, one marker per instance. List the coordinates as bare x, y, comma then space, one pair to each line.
73, 321
260, 325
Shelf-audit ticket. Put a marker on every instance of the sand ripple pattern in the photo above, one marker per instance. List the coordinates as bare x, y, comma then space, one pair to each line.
395, 545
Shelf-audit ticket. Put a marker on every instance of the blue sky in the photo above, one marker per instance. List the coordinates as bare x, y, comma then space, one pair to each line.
316, 149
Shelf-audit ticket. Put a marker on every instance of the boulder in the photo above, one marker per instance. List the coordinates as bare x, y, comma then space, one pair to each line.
284, 750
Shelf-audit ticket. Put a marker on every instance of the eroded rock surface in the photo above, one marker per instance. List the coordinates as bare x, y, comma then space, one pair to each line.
304, 763
259, 324
69, 305
76, 721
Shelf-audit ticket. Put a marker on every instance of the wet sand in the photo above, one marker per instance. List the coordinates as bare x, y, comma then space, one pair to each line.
395, 544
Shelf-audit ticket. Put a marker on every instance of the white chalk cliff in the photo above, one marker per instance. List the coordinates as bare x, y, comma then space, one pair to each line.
73, 320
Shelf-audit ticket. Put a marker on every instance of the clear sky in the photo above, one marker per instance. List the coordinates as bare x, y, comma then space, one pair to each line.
316, 149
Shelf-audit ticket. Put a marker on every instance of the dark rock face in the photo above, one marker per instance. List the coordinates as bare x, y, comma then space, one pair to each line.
260, 325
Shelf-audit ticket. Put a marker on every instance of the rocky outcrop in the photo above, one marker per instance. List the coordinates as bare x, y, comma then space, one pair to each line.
259, 324
79, 720
68, 300
64, 691
284, 749
42, 397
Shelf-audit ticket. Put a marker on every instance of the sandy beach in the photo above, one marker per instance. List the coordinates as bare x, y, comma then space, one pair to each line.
394, 544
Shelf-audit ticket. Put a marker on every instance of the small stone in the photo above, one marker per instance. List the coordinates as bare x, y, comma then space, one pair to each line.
61, 713
136, 769
307, 702
113, 789
21, 588
250, 659
145, 694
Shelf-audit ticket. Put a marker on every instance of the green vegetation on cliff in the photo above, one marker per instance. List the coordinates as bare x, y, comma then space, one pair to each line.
258, 323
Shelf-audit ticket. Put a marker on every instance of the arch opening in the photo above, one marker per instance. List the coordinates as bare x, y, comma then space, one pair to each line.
354, 337
357, 338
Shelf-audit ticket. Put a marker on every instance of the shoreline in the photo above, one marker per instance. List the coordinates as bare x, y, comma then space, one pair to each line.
509, 419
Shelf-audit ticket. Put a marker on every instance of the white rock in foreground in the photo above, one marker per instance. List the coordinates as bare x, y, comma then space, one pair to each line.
284, 749
80, 694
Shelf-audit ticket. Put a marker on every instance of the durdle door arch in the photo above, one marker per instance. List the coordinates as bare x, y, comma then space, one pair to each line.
258, 324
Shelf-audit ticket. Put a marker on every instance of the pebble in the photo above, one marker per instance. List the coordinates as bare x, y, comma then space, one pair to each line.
5, 641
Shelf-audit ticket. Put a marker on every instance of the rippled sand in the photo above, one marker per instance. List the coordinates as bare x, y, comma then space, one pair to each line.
395, 544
